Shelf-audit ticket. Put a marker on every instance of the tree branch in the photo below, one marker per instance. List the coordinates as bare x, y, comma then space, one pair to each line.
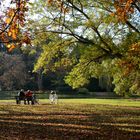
132, 27
93, 27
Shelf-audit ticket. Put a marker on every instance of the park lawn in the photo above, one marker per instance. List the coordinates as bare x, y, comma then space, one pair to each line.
71, 119
120, 102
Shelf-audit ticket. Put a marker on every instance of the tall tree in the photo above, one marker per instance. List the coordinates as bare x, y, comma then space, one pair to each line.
13, 72
101, 31
92, 38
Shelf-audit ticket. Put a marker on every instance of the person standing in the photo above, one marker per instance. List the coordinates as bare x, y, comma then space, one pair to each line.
51, 97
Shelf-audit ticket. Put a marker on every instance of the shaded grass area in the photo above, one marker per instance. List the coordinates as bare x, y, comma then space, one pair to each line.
71, 120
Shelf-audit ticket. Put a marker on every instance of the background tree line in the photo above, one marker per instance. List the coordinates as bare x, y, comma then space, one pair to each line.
77, 41
16, 72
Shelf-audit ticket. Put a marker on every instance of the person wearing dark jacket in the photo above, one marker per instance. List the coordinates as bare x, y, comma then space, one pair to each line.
21, 96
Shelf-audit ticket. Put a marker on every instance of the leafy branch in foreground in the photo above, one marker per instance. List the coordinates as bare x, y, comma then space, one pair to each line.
11, 26
105, 37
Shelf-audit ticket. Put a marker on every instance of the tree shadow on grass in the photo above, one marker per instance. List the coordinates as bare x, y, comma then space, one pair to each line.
64, 126
43, 128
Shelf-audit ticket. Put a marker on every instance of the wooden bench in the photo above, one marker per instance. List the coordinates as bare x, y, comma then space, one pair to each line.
27, 99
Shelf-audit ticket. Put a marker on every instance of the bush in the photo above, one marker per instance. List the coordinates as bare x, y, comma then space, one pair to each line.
83, 91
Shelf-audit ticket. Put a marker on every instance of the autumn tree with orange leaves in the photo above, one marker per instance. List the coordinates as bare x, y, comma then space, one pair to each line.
12, 23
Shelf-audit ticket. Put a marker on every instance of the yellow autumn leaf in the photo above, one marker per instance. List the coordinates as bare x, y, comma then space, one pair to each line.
8, 46
8, 20
9, 33
11, 47
14, 35
11, 12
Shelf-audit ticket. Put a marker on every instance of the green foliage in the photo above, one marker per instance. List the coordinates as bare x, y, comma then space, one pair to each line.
87, 41
55, 54
83, 91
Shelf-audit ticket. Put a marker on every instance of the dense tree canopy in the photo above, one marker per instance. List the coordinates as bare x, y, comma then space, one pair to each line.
13, 73
86, 39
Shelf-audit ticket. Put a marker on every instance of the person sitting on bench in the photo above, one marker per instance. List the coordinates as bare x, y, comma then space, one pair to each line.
29, 96
21, 96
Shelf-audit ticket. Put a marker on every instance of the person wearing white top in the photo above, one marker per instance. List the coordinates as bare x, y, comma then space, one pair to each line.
53, 97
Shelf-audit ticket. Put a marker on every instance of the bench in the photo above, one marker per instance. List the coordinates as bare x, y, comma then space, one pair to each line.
27, 99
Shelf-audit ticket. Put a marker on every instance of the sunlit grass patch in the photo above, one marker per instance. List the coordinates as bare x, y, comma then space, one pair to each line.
127, 118
116, 102
130, 130
120, 102
121, 124
4, 112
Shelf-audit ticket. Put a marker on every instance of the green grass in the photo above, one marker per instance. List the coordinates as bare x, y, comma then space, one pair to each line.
71, 119
118, 102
